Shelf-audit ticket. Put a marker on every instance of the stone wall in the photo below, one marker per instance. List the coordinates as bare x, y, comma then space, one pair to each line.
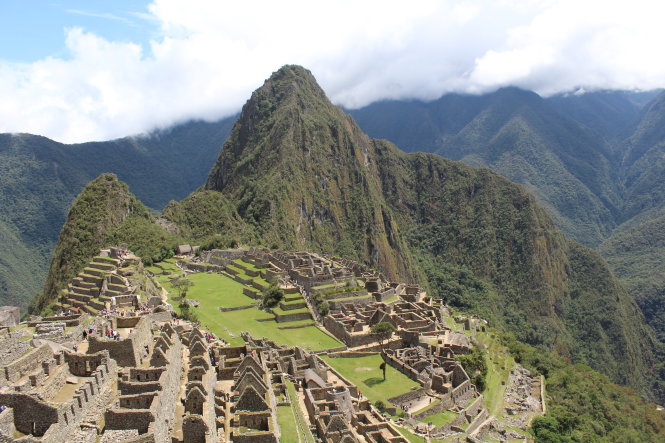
408, 397
477, 422
56, 423
9, 316
127, 352
7, 422
26, 364
282, 318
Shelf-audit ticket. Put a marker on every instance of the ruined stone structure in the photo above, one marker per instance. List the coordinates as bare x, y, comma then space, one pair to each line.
200, 424
436, 369
336, 410
147, 395
351, 323
9, 316
50, 394
99, 286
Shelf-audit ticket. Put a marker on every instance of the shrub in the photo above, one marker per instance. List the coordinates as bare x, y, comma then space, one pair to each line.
272, 296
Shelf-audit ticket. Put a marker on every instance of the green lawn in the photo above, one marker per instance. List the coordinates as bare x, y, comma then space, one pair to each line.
441, 418
300, 424
246, 265
214, 290
242, 274
364, 372
287, 423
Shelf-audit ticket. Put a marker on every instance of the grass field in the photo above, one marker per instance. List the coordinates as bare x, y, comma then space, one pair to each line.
215, 290
364, 372
287, 424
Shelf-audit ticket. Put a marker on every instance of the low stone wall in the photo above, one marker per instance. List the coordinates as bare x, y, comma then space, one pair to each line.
362, 293
200, 267
126, 322
408, 398
440, 406
26, 364
292, 306
306, 325
69, 320
361, 301
477, 422
282, 318
236, 308
252, 293
265, 437
129, 419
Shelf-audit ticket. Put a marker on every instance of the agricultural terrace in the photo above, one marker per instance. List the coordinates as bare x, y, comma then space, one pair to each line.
218, 290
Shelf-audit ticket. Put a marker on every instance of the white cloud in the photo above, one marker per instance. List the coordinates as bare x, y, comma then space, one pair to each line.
210, 55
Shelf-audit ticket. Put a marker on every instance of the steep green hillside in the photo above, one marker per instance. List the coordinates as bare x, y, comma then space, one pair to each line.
635, 252
613, 115
644, 162
104, 213
596, 161
39, 178
518, 134
301, 174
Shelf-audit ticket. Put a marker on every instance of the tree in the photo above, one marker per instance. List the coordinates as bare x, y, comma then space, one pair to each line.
382, 331
272, 296
382, 366
182, 284
323, 308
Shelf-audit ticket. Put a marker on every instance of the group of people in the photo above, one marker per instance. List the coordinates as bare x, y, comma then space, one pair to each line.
108, 332
69, 312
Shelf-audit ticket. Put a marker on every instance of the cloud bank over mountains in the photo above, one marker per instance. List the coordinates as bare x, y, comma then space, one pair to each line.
209, 55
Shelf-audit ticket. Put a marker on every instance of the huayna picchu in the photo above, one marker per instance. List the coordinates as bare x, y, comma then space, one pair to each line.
434, 300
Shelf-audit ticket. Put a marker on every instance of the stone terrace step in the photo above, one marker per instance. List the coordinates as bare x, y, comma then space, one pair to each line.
101, 266
97, 272
85, 285
84, 291
97, 280
111, 261
96, 305
79, 297
116, 280
116, 288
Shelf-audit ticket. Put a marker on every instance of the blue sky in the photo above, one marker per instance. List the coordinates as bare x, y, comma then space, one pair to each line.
34, 29
94, 70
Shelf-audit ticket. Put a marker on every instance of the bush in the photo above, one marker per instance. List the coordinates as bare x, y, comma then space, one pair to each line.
323, 308
188, 313
272, 296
